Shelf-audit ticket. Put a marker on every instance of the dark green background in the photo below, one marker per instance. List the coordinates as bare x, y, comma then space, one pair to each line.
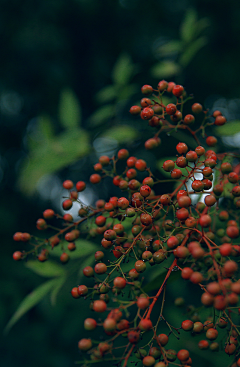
48, 47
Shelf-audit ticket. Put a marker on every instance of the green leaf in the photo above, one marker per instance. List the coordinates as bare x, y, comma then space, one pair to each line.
83, 248
56, 289
30, 301
101, 115
123, 70
69, 109
230, 128
106, 94
159, 279
191, 51
188, 26
47, 269
46, 127
201, 25
169, 49
87, 262
159, 165
126, 92
165, 69
65, 149
122, 134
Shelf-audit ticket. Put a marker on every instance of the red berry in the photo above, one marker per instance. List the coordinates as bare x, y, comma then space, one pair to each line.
17, 255
177, 90
188, 119
146, 89
82, 290
123, 154
220, 120
95, 178
183, 355
140, 165
168, 165
145, 324
90, 324
197, 108
100, 268
104, 159
80, 186
187, 325
88, 271
182, 148
99, 306
68, 184
171, 109
162, 85
133, 337
147, 113
119, 282
131, 162
211, 141
48, 214
135, 110
64, 258
85, 344
74, 292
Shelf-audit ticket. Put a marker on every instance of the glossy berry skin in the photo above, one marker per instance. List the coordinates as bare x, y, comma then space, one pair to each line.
75, 293
135, 110
85, 344
183, 355
171, 109
68, 184
133, 337
82, 290
163, 339
177, 90
188, 119
197, 108
140, 165
168, 165
64, 258
90, 324
140, 266
17, 255
147, 113
182, 148
187, 325
99, 306
146, 89
145, 324
119, 282
95, 178
100, 268
123, 154
48, 214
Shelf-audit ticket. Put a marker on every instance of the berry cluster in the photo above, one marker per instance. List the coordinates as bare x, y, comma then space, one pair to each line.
141, 229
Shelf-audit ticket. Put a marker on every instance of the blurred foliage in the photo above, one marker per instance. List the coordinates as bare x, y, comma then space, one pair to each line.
69, 73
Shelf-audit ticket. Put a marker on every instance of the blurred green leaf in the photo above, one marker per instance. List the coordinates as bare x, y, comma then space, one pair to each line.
165, 69
46, 127
101, 115
201, 25
159, 279
123, 70
56, 289
122, 134
106, 94
159, 165
169, 48
69, 109
30, 301
230, 128
126, 91
83, 248
188, 26
67, 148
191, 51
46, 269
